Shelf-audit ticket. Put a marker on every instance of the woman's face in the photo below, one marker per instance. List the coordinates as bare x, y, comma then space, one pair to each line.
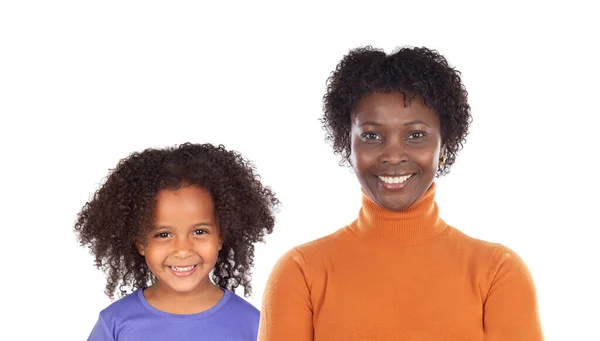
395, 148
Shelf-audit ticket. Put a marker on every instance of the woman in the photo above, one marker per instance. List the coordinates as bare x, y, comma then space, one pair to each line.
398, 272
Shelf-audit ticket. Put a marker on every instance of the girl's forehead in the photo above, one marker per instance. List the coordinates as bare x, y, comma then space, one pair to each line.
188, 201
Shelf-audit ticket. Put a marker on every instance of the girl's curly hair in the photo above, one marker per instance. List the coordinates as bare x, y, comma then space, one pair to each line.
122, 210
420, 71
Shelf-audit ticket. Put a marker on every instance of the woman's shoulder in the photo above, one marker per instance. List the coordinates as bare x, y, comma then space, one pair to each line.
323, 245
482, 249
315, 252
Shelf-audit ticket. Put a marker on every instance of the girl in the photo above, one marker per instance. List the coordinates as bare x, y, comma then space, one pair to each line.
163, 220
398, 272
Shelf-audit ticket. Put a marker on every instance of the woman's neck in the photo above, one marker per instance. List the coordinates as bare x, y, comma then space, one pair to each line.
414, 225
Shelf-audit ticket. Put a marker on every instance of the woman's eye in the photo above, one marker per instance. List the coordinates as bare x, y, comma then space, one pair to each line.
162, 235
416, 135
200, 232
370, 136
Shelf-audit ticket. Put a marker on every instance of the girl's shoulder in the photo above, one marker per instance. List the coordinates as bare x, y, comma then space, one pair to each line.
240, 306
126, 305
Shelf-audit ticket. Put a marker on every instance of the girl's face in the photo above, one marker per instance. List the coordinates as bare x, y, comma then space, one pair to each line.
183, 245
395, 148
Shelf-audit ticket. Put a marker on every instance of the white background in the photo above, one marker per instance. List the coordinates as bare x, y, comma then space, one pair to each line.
83, 84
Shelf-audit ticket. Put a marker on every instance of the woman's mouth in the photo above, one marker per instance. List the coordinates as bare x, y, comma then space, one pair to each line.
394, 181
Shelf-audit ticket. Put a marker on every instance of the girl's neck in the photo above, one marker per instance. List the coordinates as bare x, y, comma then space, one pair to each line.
197, 301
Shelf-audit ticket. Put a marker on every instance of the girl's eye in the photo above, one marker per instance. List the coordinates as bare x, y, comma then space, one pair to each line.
197, 232
370, 136
162, 235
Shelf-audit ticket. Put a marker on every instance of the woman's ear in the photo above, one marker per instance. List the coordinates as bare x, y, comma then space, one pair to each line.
442, 158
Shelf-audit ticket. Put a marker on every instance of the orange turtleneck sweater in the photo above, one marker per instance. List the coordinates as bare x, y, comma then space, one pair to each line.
400, 276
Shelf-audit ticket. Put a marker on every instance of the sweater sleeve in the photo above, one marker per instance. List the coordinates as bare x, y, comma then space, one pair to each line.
510, 309
286, 306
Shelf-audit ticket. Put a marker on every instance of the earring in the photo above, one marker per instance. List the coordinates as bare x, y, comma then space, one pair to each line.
443, 159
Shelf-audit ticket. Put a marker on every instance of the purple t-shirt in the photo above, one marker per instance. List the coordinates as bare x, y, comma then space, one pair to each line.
132, 318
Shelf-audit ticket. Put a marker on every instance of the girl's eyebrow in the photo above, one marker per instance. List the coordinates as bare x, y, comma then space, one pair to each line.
204, 223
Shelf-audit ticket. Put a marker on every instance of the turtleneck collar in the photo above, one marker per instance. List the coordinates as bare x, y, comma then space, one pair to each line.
417, 223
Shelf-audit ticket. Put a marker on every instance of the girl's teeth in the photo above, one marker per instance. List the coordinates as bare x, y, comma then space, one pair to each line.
187, 268
394, 179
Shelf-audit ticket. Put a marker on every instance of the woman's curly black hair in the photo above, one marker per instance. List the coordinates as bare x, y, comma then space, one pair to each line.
122, 210
420, 71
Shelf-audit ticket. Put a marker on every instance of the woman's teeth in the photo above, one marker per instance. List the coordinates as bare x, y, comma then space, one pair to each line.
394, 179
